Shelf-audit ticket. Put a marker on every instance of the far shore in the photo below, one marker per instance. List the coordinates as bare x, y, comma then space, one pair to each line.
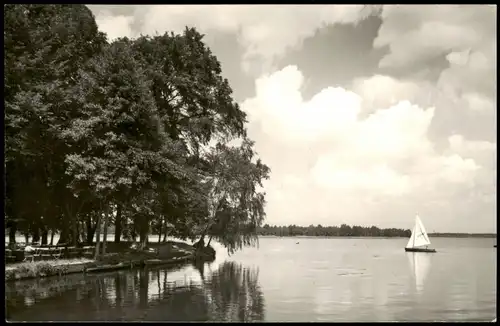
433, 235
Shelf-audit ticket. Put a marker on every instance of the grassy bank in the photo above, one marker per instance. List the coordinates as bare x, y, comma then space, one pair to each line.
27, 270
118, 256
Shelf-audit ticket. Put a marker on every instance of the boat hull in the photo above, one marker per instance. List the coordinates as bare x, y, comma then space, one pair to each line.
419, 250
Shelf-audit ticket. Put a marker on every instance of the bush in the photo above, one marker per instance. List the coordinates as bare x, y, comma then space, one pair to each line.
35, 269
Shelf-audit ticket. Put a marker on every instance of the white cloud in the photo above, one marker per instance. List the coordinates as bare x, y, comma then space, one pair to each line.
471, 148
466, 35
380, 91
265, 32
350, 165
115, 26
280, 98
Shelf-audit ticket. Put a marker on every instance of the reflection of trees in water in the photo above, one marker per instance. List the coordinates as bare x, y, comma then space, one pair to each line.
230, 293
234, 294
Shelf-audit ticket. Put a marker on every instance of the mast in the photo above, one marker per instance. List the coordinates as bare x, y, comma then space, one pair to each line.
415, 230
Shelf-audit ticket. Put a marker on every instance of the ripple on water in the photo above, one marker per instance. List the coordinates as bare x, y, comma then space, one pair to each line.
350, 272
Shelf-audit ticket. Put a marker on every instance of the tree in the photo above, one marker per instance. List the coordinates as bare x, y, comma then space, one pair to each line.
193, 99
44, 47
236, 206
116, 137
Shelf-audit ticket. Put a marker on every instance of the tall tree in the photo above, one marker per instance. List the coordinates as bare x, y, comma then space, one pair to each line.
44, 46
116, 135
236, 204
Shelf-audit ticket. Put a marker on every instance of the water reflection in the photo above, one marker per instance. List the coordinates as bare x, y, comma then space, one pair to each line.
192, 293
420, 264
235, 294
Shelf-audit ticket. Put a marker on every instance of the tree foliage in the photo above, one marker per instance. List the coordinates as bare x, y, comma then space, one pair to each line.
121, 132
236, 206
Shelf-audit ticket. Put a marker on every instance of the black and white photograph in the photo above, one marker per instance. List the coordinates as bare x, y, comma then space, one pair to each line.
250, 163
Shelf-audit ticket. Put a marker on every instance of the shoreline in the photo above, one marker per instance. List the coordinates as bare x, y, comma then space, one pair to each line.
179, 253
455, 236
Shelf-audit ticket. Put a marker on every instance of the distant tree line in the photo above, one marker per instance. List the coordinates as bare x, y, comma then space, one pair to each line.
332, 231
353, 231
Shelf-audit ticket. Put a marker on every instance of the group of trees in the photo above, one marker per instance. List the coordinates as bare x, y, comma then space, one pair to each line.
141, 134
332, 231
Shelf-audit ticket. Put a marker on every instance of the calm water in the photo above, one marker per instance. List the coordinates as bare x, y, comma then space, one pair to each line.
318, 279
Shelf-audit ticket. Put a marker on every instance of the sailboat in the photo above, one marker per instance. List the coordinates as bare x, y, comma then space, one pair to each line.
419, 238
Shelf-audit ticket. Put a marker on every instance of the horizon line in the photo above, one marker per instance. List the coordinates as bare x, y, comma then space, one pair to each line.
338, 226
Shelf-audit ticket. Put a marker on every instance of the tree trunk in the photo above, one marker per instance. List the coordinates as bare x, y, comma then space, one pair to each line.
200, 266
209, 239
12, 233
143, 240
45, 237
98, 235
200, 243
74, 229
133, 234
63, 238
159, 230
82, 231
90, 230
106, 220
72, 215
79, 231
36, 234
165, 231
52, 238
118, 224
143, 236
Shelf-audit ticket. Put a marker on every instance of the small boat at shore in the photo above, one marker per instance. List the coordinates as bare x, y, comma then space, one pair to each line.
419, 238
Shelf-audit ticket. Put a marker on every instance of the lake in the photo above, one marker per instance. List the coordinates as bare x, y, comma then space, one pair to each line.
285, 279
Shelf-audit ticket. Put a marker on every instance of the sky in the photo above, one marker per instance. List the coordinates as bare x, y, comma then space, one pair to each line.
366, 115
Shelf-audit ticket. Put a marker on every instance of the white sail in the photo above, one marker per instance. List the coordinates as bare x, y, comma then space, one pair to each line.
423, 231
419, 236
412, 239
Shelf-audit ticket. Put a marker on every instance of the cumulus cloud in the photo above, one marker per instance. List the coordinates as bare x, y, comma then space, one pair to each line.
381, 91
346, 165
465, 35
265, 32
